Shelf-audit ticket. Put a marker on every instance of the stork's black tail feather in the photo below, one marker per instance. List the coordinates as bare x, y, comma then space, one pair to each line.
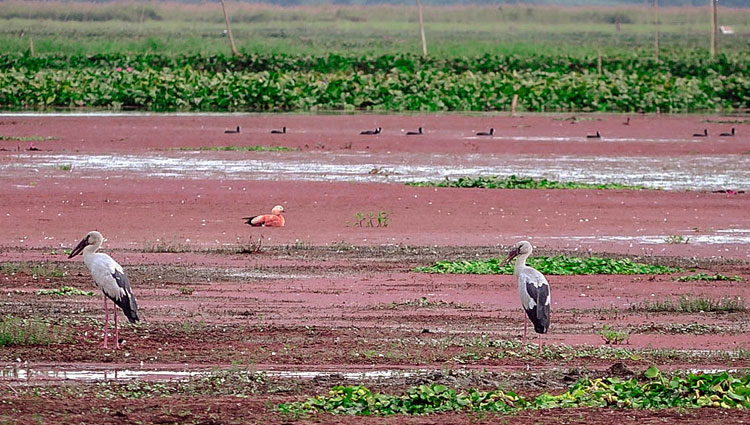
127, 300
129, 307
539, 318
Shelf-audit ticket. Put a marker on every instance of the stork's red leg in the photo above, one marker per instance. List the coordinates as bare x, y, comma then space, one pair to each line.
525, 325
117, 331
106, 320
540, 343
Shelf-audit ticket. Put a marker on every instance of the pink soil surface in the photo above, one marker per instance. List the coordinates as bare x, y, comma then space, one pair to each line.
309, 312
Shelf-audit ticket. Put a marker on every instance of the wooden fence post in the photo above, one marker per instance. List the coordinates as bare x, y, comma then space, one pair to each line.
229, 30
421, 30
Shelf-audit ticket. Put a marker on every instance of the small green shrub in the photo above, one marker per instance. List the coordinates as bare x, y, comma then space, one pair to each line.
371, 219
612, 336
676, 239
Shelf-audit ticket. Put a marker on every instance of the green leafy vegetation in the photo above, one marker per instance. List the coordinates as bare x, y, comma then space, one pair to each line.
423, 302
719, 390
233, 382
513, 182
705, 277
371, 219
679, 329
612, 336
37, 271
240, 148
694, 304
398, 89
25, 138
331, 57
676, 239
166, 246
15, 331
186, 290
64, 167
65, 291
557, 265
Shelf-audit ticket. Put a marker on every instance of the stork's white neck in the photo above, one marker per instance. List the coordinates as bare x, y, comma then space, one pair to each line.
520, 263
90, 249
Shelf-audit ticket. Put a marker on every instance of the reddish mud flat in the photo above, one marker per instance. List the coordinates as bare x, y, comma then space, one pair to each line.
326, 294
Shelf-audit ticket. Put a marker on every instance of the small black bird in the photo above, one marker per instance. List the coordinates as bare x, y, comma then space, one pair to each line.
704, 134
627, 121
371, 132
233, 131
415, 133
730, 134
282, 131
484, 133
594, 136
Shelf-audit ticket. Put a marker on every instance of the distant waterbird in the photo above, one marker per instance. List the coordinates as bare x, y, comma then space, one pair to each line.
275, 219
415, 133
487, 133
533, 290
110, 278
627, 121
704, 134
232, 131
730, 134
594, 136
371, 132
282, 131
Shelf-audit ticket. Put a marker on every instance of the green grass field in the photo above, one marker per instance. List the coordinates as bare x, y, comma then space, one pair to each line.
168, 28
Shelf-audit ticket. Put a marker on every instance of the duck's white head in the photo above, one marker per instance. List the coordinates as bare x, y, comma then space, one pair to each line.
277, 210
92, 238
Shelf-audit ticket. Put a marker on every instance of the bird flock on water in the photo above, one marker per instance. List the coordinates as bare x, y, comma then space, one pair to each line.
110, 278
420, 131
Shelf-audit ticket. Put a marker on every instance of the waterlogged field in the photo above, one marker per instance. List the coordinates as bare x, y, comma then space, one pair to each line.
382, 297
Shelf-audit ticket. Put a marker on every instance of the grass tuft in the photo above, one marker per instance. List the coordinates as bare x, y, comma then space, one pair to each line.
694, 304
15, 331
240, 148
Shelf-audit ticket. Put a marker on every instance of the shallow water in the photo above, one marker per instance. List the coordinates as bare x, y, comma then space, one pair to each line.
36, 375
668, 173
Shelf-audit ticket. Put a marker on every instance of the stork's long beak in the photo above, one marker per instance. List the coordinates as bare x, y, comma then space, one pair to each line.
77, 250
511, 255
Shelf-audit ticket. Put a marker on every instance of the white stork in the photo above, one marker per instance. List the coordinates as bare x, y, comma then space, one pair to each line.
110, 278
533, 289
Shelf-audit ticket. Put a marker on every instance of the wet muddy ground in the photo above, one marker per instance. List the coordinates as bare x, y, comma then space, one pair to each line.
324, 301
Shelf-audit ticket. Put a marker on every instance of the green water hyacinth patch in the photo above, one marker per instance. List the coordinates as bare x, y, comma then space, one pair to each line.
655, 391
65, 291
705, 277
188, 88
513, 182
557, 265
